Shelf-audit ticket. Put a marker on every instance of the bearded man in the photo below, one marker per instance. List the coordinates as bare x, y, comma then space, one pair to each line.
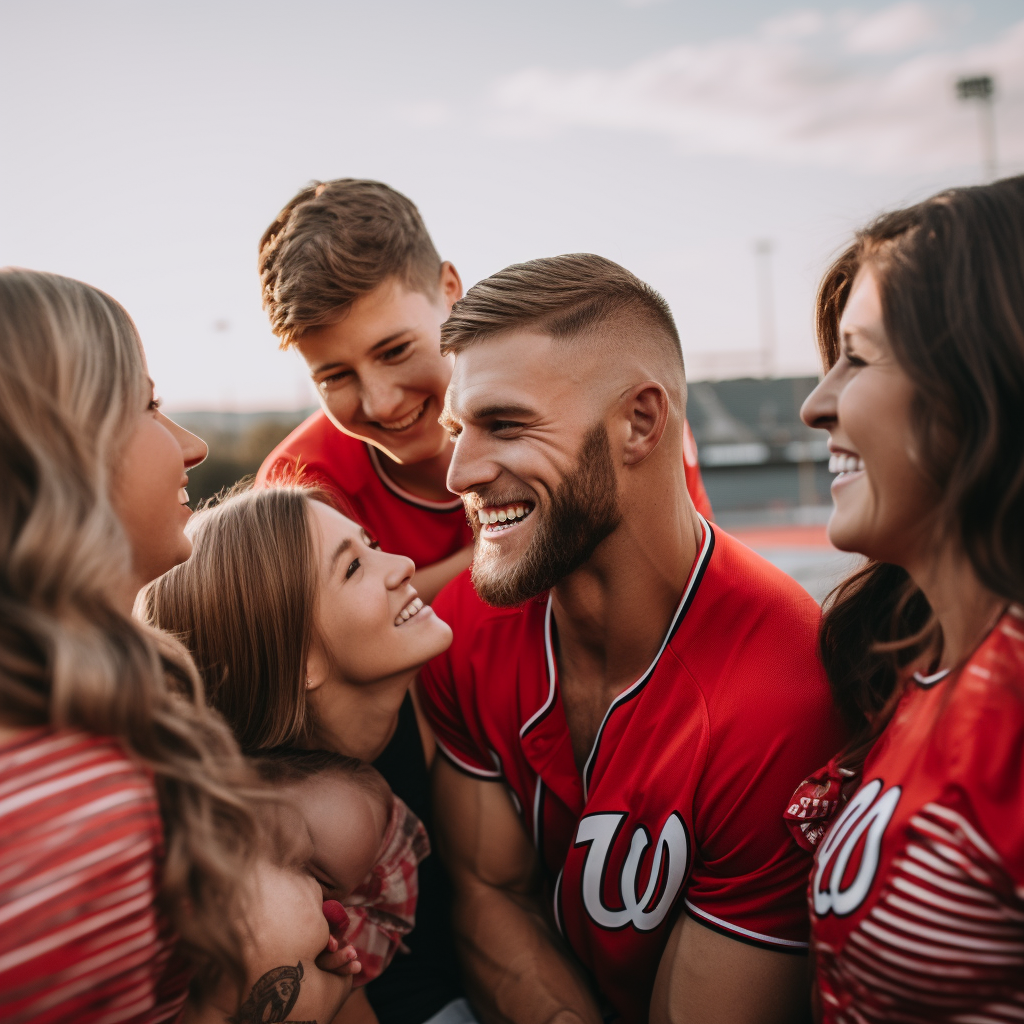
632, 695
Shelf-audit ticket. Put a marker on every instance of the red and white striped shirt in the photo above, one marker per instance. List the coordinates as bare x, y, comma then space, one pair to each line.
917, 896
81, 841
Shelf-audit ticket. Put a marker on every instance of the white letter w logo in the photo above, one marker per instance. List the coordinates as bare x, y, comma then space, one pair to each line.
864, 813
598, 832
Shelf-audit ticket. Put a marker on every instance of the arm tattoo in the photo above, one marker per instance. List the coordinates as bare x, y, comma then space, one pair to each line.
272, 998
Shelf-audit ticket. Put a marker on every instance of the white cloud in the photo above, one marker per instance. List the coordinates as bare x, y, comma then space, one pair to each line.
789, 93
896, 29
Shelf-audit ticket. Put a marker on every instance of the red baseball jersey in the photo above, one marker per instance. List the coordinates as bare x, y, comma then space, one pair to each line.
681, 799
694, 480
917, 895
426, 531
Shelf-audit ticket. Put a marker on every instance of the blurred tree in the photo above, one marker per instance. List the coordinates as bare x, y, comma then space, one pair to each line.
238, 445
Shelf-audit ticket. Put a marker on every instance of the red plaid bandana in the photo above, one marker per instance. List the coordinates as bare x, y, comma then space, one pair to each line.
816, 802
382, 907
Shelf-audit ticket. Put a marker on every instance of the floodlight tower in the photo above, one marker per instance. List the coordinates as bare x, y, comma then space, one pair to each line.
766, 305
981, 88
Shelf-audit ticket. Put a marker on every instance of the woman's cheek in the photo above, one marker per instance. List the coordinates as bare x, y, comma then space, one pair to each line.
375, 612
856, 411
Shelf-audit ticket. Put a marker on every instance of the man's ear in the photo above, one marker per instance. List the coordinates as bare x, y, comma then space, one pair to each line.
646, 408
450, 285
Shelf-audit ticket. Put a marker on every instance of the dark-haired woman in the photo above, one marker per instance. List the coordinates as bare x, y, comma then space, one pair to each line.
917, 895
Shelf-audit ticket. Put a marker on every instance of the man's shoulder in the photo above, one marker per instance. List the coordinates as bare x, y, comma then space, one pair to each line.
317, 448
743, 596
750, 641
496, 655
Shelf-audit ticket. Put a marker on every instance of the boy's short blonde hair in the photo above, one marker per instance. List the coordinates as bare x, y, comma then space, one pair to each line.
337, 240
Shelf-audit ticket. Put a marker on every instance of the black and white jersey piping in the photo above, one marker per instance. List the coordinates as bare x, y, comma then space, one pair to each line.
404, 495
696, 574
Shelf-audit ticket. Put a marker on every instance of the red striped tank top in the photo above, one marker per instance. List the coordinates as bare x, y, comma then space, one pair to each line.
917, 895
81, 841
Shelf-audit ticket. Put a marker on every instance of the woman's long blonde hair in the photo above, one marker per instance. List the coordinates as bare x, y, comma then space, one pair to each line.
72, 379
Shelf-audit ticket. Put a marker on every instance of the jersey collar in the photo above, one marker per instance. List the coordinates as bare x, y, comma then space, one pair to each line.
689, 591
400, 492
545, 734
929, 681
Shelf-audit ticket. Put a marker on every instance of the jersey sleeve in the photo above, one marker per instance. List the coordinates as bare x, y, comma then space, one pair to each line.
445, 686
750, 877
982, 803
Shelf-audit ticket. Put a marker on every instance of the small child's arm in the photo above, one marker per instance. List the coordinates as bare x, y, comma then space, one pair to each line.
288, 932
357, 1010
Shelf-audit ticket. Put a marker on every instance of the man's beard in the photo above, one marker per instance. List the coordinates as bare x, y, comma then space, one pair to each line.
584, 510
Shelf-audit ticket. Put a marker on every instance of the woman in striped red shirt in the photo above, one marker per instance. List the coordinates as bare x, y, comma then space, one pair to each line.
122, 823
917, 896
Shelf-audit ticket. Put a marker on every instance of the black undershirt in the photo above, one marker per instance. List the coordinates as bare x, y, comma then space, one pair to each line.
419, 983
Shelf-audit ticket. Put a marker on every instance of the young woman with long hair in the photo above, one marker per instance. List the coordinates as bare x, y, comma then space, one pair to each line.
308, 635
123, 826
917, 896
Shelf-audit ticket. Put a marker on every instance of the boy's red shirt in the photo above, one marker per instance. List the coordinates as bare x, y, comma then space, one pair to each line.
403, 524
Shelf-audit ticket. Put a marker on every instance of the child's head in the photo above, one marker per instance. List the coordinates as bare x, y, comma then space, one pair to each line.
346, 806
364, 847
352, 279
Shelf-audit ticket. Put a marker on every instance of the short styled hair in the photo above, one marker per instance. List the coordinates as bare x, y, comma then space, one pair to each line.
332, 243
566, 297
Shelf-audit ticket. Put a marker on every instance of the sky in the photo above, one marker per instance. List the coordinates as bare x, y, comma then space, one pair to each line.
144, 148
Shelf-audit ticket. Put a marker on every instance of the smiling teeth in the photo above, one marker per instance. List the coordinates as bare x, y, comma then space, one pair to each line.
502, 516
408, 421
408, 611
845, 464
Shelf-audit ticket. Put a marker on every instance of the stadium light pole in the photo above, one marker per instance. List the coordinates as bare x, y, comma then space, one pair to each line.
766, 305
981, 89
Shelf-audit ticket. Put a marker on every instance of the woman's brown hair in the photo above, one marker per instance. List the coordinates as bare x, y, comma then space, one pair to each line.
950, 272
244, 605
72, 380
